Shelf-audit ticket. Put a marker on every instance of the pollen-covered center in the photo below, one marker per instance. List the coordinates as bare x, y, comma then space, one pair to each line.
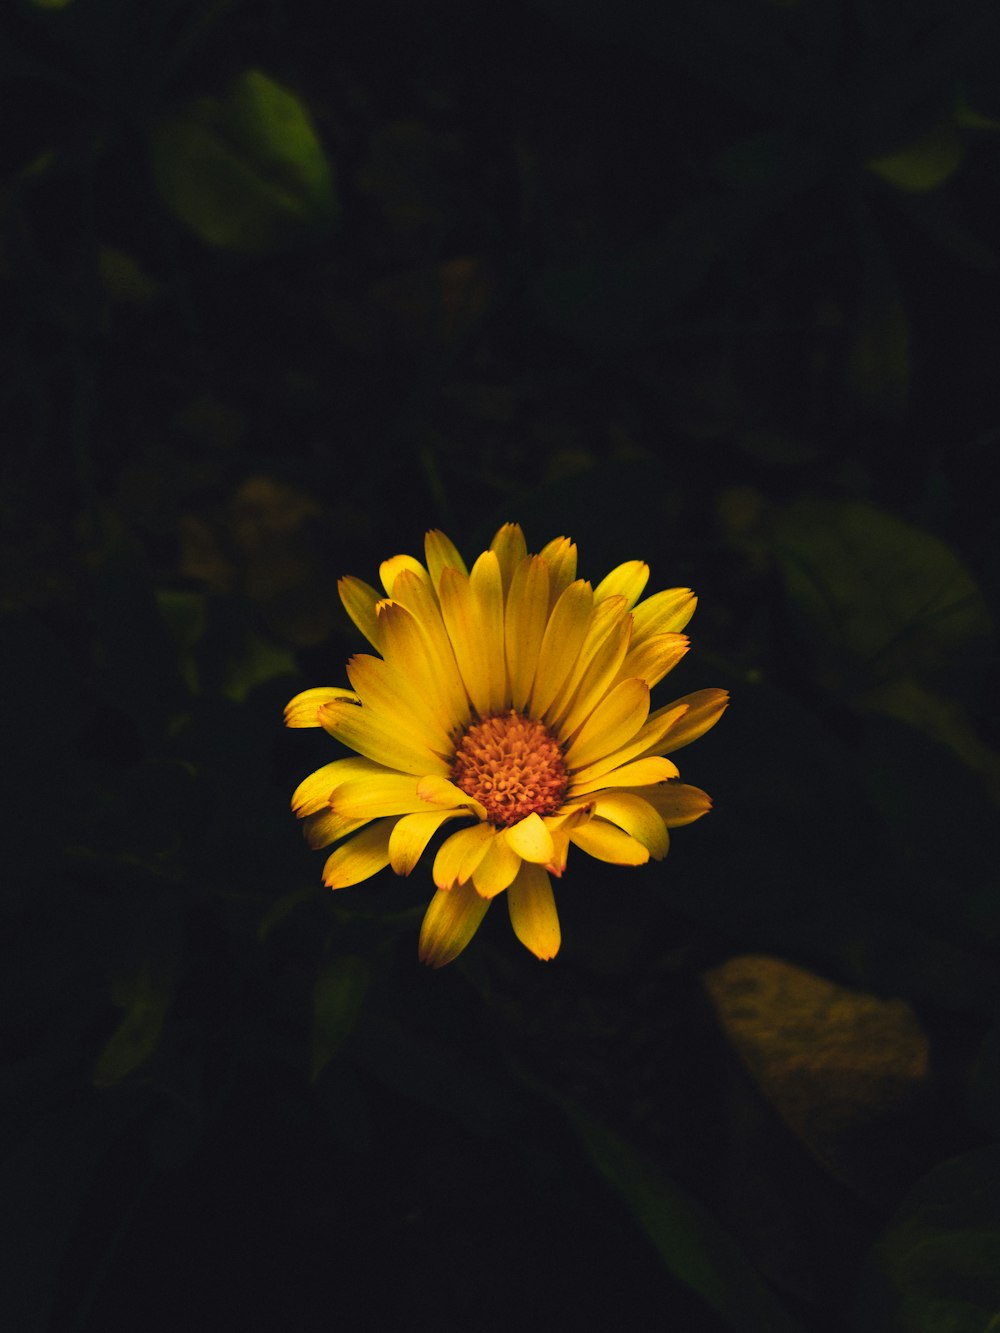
513, 765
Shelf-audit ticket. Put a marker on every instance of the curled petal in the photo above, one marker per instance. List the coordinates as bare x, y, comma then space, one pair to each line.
304, 709
637, 817
561, 826
677, 803
607, 842
314, 792
530, 839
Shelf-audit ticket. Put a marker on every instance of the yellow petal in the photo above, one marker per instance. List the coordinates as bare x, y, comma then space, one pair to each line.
615, 720
441, 554
419, 598
561, 826
511, 549
389, 570
637, 817
360, 858
359, 599
677, 803
639, 773
628, 580
486, 586
373, 797
603, 651
533, 914
606, 842
561, 644
530, 839
459, 855
392, 700
472, 609
415, 669
560, 556
602, 620
648, 740
497, 868
313, 793
412, 833
444, 793
450, 922
303, 710
654, 657
354, 727
704, 708
665, 612
526, 615
325, 827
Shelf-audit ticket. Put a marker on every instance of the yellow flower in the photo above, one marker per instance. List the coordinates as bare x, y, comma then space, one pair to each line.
514, 696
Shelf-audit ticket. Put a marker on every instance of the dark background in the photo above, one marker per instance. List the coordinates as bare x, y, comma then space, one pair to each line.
713, 284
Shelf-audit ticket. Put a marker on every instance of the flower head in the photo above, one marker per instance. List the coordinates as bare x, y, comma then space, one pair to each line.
514, 698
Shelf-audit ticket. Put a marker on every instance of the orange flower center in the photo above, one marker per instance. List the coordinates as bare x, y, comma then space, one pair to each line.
513, 766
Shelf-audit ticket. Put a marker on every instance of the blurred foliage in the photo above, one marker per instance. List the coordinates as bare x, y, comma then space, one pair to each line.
713, 284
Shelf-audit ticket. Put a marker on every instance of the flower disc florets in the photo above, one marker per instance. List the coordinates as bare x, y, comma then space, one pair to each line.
513, 766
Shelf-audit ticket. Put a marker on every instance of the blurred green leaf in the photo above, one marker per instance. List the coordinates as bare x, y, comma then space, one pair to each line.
925, 163
338, 995
837, 1064
692, 1245
246, 172
888, 598
145, 995
937, 1267
185, 616
256, 661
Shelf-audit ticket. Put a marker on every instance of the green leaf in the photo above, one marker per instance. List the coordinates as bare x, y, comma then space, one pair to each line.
692, 1245
145, 995
937, 1267
246, 172
888, 598
338, 995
